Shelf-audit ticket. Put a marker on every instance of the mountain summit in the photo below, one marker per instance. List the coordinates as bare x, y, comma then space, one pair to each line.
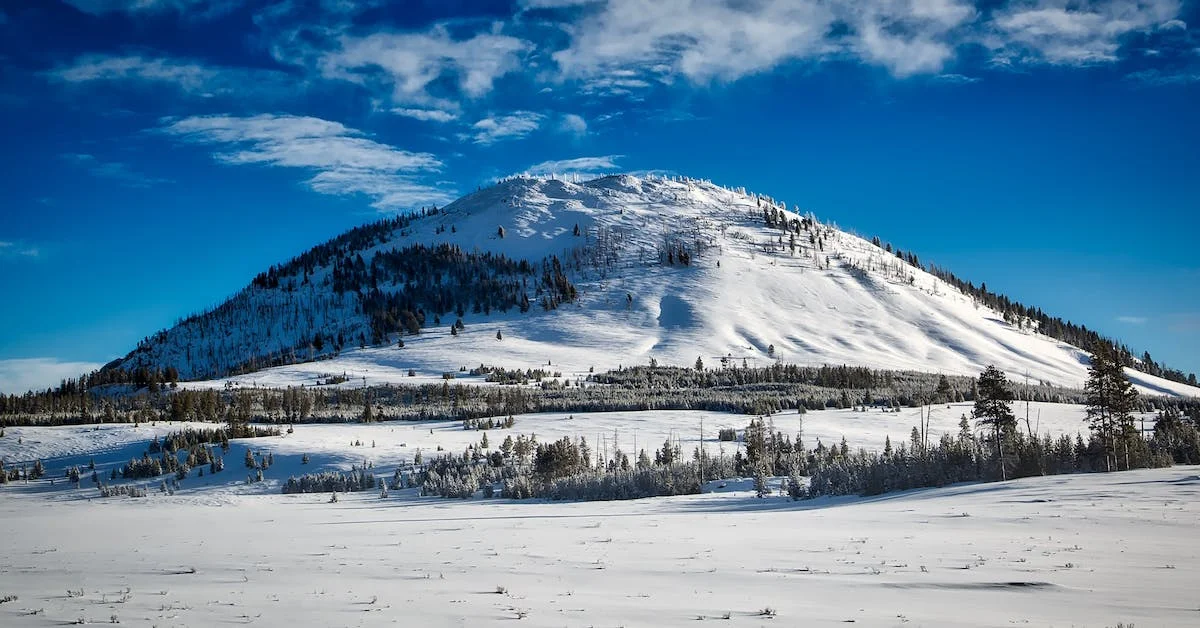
614, 271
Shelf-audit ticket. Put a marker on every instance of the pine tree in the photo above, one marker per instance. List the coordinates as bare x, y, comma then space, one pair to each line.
993, 408
944, 392
1110, 403
761, 488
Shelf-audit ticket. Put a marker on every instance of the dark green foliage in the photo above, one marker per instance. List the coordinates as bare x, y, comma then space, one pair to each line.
331, 481
1177, 436
1111, 400
993, 409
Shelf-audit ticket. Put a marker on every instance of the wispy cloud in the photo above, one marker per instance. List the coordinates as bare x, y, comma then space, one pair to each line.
342, 159
582, 166
428, 115
510, 126
1155, 77
1072, 33
115, 170
196, 9
573, 124
621, 46
956, 79
191, 77
624, 44
10, 250
1132, 320
411, 62
24, 374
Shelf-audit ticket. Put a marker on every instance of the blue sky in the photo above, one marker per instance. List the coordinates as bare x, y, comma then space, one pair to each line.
159, 153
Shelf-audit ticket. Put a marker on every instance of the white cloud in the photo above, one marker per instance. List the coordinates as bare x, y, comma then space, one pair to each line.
18, 250
698, 39
511, 126
190, 8
187, 75
583, 166
959, 79
553, 4
20, 375
410, 62
1073, 33
704, 40
342, 159
115, 170
191, 77
573, 124
1160, 78
428, 115
621, 46
1132, 320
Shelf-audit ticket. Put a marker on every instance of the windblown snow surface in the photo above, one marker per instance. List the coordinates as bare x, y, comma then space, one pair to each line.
839, 301
1078, 550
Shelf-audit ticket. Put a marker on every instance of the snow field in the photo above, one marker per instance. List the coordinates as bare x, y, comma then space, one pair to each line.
1083, 550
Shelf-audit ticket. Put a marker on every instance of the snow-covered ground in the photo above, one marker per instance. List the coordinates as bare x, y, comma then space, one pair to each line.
841, 300
1083, 550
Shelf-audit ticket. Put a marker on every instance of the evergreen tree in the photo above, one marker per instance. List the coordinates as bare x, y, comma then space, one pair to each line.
1110, 403
993, 408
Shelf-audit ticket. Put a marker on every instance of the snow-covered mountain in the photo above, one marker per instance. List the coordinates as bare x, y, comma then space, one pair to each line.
620, 270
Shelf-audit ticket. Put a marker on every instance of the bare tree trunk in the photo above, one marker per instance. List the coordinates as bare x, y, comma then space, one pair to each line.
1000, 452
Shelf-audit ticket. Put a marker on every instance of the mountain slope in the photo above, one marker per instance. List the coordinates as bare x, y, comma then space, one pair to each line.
658, 268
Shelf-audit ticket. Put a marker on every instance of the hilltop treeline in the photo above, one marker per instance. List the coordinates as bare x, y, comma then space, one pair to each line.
357, 239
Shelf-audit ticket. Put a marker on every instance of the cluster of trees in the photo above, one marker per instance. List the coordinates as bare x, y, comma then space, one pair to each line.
1004, 452
130, 490
489, 423
738, 389
443, 279
285, 318
17, 474
990, 448
357, 479
357, 239
501, 375
563, 469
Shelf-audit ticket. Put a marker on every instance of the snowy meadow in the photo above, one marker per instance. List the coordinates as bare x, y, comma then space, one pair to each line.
1070, 550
